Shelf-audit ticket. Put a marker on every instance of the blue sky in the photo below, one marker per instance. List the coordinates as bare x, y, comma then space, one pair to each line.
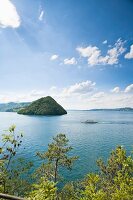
79, 52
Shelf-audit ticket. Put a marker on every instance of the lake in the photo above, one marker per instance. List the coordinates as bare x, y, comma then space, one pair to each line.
90, 141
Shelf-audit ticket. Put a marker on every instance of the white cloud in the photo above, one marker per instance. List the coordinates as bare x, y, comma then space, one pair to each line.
54, 57
53, 88
94, 55
36, 93
129, 88
115, 90
95, 99
105, 42
41, 15
8, 15
71, 61
83, 95
90, 52
98, 95
111, 100
79, 88
130, 54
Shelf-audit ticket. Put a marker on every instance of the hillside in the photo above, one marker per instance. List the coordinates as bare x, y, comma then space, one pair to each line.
44, 106
12, 107
114, 109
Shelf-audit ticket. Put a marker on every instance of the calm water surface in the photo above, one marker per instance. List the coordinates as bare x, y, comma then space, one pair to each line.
90, 141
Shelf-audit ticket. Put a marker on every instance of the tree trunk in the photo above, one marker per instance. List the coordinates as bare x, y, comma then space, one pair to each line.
56, 171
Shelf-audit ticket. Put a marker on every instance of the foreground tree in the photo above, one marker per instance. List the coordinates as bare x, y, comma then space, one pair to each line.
71, 191
14, 173
115, 181
44, 190
56, 157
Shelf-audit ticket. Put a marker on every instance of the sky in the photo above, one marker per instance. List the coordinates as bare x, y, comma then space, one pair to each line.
80, 52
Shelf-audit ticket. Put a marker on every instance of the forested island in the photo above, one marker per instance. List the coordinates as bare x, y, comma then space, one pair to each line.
43, 106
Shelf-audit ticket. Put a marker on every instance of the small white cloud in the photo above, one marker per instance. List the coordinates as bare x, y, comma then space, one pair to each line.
8, 15
79, 88
94, 55
115, 90
129, 88
53, 88
130, 54
41, 16
36, 93
88, 51
105, 42
98, 95
54, 57
71, 61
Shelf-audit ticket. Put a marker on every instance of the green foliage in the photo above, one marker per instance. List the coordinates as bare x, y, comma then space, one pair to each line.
92, 190
19, 177
56, 157
115, 181
44, 190
43, 106
11, 143
71, 191
13, 173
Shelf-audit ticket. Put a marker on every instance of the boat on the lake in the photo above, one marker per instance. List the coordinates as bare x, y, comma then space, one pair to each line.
90, 122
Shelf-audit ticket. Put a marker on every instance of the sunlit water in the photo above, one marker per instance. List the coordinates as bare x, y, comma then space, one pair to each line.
90, 141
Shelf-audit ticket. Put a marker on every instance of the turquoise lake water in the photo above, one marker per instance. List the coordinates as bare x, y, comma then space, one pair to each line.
90, 141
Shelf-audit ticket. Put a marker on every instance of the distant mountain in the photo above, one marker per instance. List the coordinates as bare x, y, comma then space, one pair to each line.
44, 106
114, 109
12, 107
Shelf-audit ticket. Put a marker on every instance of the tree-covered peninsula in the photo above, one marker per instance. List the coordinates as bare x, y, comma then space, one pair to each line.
43, 106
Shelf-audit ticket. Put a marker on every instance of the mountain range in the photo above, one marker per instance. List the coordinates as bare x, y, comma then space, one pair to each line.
12, 106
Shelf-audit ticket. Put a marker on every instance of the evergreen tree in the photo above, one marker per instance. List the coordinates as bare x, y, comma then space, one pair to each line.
56, 157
